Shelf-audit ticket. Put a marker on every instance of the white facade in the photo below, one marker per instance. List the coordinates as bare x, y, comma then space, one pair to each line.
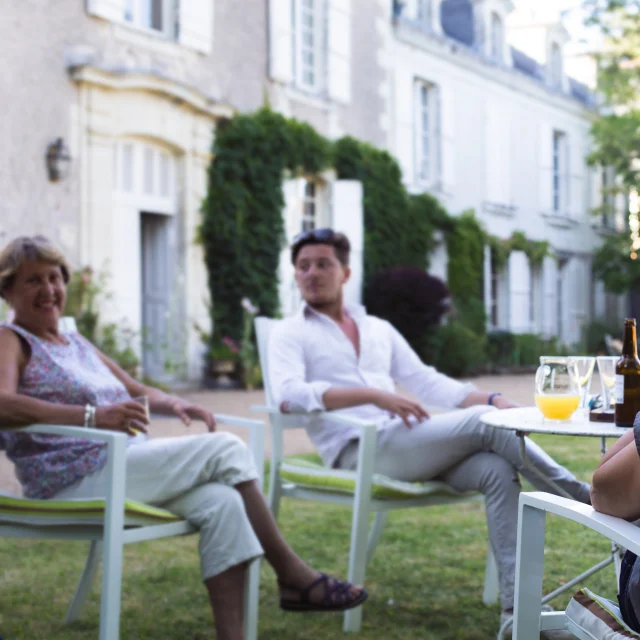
484, 127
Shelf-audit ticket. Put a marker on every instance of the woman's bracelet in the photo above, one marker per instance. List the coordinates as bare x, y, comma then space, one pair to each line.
89, 416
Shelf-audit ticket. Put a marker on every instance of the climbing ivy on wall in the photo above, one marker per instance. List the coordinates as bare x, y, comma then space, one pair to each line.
242, 228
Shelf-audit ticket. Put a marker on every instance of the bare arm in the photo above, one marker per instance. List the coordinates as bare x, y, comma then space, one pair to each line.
617, 446
482, 397
616, 484
159, 401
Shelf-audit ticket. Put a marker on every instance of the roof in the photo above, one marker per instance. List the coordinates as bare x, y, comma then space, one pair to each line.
458, 24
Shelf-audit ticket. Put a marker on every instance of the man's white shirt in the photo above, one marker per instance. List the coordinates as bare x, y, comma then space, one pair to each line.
309, 354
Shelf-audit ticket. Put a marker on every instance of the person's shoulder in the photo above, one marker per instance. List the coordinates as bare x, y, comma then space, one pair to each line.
12, 345
378, 323
289, 327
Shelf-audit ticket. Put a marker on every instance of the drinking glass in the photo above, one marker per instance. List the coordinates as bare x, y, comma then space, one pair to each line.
586, 366
144, 401
607, 371
557, 388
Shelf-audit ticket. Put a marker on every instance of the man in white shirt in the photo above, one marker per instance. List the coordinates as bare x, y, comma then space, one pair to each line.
332, 357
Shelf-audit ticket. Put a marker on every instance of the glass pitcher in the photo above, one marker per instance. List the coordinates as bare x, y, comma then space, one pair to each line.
557, 387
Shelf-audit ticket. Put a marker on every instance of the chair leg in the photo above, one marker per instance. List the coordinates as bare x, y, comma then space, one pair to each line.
251, 600
375, 534
360, 524
491, 586
529, 573
86, 580
275, 492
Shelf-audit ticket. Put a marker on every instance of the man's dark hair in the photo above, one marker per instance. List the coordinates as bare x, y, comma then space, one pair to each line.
338, 241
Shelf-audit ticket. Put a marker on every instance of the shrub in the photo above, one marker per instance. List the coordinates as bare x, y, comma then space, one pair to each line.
594, 332
528, 349
460, 351
500, 347
410, 299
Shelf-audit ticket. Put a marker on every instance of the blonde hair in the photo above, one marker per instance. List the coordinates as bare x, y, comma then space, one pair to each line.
26, 248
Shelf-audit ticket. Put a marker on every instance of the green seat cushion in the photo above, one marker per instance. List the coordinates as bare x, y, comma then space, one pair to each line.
313, 475
597, 617
64, 512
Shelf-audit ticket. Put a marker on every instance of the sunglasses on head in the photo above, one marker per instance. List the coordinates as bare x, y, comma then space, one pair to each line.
319, 235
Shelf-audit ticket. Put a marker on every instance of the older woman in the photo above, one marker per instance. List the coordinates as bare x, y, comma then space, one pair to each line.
50, 377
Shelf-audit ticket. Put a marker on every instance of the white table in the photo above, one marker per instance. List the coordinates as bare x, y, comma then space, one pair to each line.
526, 420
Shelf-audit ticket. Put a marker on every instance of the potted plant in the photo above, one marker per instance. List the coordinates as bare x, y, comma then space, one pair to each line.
222, 364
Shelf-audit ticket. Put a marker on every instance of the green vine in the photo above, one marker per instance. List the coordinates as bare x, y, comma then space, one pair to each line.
242, 228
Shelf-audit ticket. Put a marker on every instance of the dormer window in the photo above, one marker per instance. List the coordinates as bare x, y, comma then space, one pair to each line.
497, 37
424, 13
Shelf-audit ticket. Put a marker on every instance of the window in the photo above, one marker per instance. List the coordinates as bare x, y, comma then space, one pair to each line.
555, 62
427, 133
497, 37
309, 43
155, 15
559, 171
495, 288
560, 292
310, 206
424, 12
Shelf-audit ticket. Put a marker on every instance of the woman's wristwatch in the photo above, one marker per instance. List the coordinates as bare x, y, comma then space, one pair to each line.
492, 396
89, 416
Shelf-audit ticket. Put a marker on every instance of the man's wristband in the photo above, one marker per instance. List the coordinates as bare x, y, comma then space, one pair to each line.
491, 397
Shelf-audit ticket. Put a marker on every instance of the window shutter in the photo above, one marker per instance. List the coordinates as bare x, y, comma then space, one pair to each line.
447, 144
281, 40
596, 199
339, 54
348, 218
292, 213
549, 294
577, 170
107, 9
196, 24
405, 106
545, 186
487, 274
519, 292
498, 149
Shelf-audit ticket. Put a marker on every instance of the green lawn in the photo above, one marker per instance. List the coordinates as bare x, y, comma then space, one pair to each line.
425, 580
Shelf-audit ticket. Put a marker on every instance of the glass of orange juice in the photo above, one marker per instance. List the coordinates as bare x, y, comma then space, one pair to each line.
557, 388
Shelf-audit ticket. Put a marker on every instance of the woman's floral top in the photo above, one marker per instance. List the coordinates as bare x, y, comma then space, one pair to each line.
64, 374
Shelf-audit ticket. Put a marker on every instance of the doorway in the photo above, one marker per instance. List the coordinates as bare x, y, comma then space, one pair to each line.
157, 270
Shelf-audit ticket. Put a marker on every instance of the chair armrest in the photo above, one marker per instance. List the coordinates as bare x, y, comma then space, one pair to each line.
292, 419
102, 435
241, 423
624, 533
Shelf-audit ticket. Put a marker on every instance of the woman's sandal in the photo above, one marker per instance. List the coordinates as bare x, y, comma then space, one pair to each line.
336, 596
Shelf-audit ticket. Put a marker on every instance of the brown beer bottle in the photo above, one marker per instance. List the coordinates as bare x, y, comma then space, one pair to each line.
627, 388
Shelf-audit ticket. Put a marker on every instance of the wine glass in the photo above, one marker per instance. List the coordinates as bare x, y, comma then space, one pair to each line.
557, 388
607, 371
586, 366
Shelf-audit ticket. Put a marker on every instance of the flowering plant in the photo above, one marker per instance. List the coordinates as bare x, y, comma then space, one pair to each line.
226, 349
248, 354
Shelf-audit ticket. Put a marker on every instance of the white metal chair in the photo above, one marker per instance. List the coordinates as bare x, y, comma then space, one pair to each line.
528, 620
116, 523
363, 541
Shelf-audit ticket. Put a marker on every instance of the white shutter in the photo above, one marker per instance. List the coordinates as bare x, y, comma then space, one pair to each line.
487, 273
577, 170
406, 141
281, 40
545, 185
621, 205
292, 213
348, 218
447, 146
498, 150
519, 292
550, 295
595, 184
196, 24
339, 54
107, 9
410, 9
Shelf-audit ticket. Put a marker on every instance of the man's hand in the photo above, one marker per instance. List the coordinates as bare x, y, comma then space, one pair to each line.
500, 402
187, 412
399, 406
